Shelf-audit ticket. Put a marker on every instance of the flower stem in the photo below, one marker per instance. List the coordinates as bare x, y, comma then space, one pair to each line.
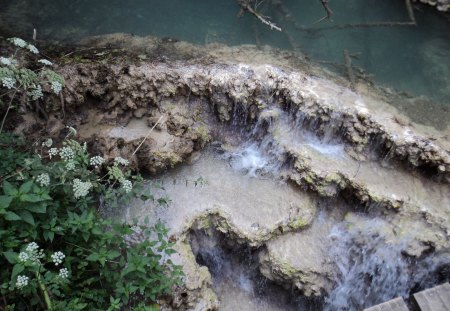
47, 299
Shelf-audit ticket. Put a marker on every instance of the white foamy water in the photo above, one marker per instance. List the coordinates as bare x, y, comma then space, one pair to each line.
329, 149
372, 266
250, 161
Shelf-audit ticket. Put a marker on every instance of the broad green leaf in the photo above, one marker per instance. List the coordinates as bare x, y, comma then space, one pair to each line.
12, 216
113, 254
33, 198
9, 189
11, 257
16, 270
49, 235
5, 200
27, 217
93, 257
40, 208
170, 251
26, 187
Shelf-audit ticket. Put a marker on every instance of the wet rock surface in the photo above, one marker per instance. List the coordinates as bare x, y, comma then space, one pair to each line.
440, 5
261, 154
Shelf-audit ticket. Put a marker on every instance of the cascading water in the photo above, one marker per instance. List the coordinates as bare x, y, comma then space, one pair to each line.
372, 267
244, 178
237, 280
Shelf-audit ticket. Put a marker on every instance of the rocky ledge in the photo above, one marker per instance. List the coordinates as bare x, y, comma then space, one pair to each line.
349, 154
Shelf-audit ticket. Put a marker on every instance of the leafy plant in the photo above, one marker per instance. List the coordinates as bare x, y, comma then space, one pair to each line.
57, 251
17, 79
48, 208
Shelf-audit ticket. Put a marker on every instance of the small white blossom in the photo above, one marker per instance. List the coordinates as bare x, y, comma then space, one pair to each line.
32, 49
23, 256
48, 143
33, 252
81, 189
58, 257
70, 165
22, 281
122, 161
8, 82
56, 87
45, 62
126, 185
18, 42
6, 61
66, 153
43, 180
96, 161
52, 152
36, 93
63, 273
31, 247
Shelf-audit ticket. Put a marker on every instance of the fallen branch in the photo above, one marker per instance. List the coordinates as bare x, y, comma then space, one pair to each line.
245, 6
327, 10
148, 134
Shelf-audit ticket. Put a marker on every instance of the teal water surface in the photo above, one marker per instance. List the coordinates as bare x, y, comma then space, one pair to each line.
414, 59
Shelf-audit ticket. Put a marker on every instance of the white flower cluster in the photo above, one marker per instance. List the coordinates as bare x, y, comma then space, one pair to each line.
8, 82
48, 143
56, 87
58, 257
36, 93
52, 152
31, 253
96, 161
32, 49
6, 61
18, 42
43, 180
66, 153
126, 185
22, 281
122, 161
81, 189
70, 165
23, 256
31, 247
45, 62
63, 273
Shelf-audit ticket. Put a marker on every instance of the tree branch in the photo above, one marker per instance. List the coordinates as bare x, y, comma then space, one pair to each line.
327, 10
245, 6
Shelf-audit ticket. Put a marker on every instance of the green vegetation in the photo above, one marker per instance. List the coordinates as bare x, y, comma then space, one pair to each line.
57, 252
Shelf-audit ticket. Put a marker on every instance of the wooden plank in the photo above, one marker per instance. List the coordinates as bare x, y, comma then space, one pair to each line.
396, 304
434, 299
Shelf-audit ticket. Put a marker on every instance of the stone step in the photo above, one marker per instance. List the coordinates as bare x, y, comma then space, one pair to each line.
434, 299
396, 304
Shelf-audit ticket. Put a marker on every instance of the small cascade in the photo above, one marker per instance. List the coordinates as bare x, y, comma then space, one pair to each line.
237, 280
373, 268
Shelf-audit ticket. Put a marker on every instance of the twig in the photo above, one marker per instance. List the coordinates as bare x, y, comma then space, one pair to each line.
327, 10
348, 66
410, 10
245, 5
7, 110
61, 97
148, 134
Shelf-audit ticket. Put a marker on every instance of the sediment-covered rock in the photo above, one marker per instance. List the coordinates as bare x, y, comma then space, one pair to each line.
330, 142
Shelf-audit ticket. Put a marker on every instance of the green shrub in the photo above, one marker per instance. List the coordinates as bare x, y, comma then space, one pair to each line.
57, 252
